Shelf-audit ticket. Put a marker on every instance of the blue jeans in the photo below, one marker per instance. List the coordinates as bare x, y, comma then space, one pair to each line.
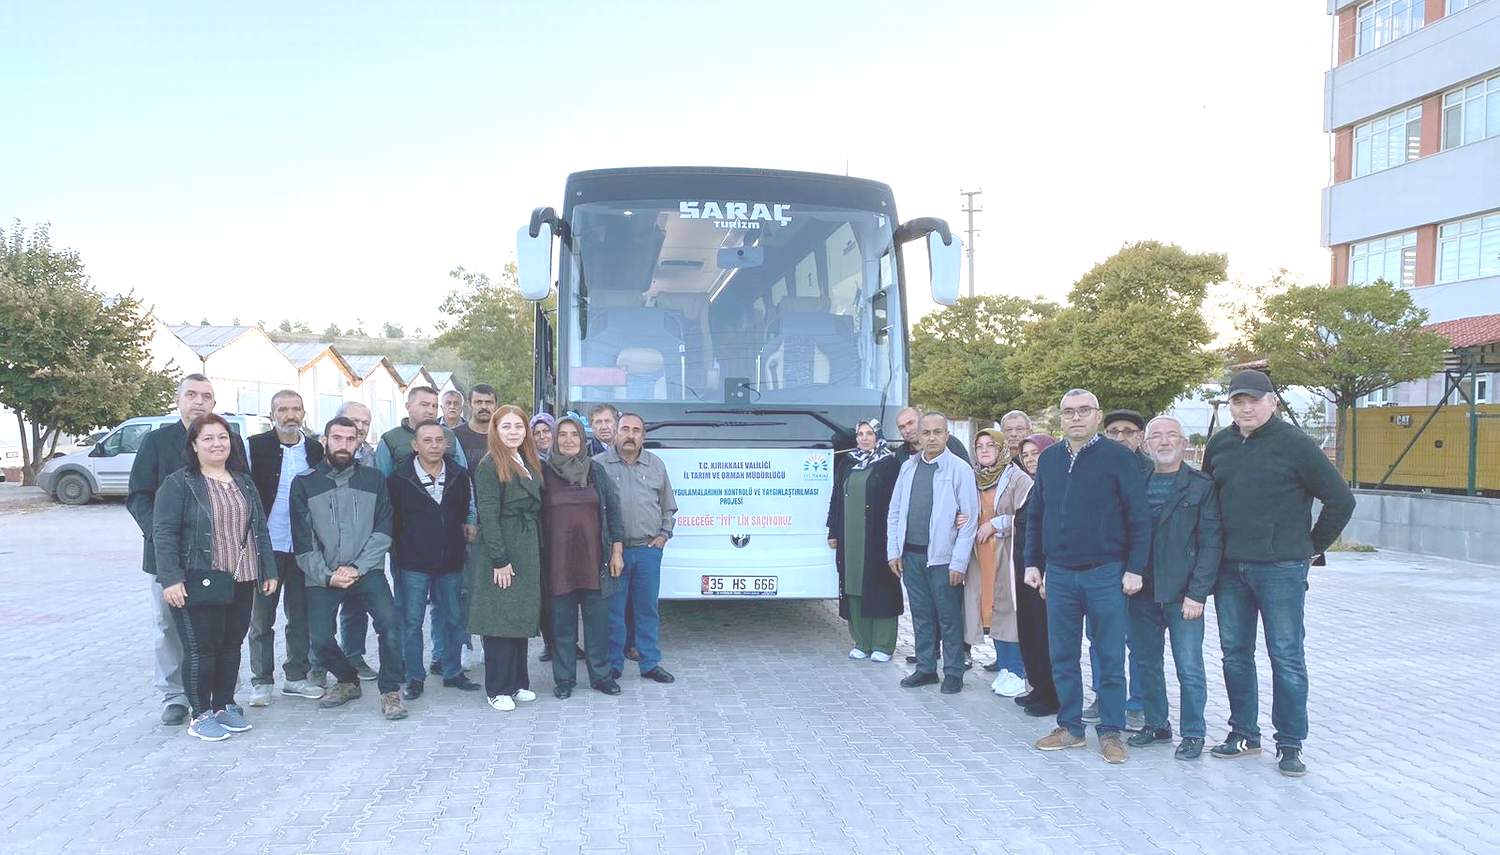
443, 589
1150, 623
1276, 592
937, 615
1133, 702
1008, 657
1072, 597
354, 624
641, 583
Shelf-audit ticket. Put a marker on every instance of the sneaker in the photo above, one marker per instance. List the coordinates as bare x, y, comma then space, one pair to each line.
878, 656
414, 689
207, 728
952, 685
1135, 720
260, 694
503, 703
1289, 761
525, 695
340, 694
1091, 713
363, 669
1112, 747
173, 715
391, 706
232, 719
1150, 736
1059, 739
918, 678
318, 677
856, 653
1009, 685
1189, 748
300, 689
995, 685
1236, 745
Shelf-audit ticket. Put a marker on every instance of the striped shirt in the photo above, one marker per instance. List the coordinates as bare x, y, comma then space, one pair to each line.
234, 549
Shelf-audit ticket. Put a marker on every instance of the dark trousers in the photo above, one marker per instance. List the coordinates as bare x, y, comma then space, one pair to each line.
211, 637
292, 592
1150, 624
1031, 629
1276, 593
1073, 597
373, 596
565, 610
354, 624
442, 589
548, 634
504, 665
937, 615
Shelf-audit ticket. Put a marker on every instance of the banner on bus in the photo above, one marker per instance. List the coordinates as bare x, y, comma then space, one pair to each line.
734, 491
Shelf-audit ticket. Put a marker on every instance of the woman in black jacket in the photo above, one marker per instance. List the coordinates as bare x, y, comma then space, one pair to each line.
212, 548
1031, 609
869, 593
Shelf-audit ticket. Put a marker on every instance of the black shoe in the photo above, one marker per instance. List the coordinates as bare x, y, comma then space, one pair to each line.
1189, 748
435, 669
414, 690
174, 715
1236, 745
659, 674
563, 691
1040, 710
911, 660
993, 667
917, 678
952, 685
1150, 736
546, 654
608, 687
631, 653
461, 682
1289, 761
1023, 700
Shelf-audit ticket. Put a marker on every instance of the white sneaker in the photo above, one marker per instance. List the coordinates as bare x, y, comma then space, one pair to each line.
878, 656
525, 695
1010, 686
856, 653
999, 681
260, 694
300, 689
503, 703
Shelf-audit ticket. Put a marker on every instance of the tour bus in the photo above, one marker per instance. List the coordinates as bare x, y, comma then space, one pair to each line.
752, 318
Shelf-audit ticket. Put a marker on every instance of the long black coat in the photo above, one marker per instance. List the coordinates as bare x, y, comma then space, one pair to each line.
882, 589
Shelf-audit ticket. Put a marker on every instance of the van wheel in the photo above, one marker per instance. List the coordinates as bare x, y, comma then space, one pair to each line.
73, 489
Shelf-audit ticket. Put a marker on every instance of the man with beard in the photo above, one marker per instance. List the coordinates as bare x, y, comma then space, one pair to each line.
908, 422
341, 532
276, 457
473, 434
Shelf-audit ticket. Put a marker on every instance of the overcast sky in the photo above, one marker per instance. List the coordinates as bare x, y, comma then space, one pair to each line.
333, 161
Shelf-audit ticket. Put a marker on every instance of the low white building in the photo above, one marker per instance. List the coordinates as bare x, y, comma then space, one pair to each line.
380, 388
245, 366
324, 379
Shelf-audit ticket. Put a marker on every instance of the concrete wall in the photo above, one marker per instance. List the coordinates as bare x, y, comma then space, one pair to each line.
1447, 526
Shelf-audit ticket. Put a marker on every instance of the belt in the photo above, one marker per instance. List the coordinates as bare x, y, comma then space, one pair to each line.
639, 542
918, 548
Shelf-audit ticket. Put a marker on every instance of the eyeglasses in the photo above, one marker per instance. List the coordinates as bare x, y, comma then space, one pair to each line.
1079, 412
1113, 433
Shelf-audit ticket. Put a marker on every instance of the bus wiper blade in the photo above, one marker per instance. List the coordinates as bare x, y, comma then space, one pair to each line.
782, 411
708, 424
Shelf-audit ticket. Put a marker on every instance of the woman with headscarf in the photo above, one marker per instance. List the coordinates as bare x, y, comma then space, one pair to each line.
989, 594
869, 593
543, 426
1031, 609
583, 552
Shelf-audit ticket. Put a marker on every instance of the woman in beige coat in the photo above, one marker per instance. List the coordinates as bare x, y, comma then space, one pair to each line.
989, 592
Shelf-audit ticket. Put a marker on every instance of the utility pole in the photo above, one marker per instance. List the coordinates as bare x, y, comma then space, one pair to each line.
971, 211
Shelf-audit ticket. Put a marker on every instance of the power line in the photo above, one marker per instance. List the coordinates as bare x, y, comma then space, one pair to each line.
971, 211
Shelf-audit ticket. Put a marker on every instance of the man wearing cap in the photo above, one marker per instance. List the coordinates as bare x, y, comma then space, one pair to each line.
1268, 473
1127, 427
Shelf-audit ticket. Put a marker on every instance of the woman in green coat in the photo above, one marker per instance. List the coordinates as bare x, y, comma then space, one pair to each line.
505, 599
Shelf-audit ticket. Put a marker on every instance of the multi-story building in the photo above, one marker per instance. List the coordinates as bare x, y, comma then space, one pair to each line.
1413, 104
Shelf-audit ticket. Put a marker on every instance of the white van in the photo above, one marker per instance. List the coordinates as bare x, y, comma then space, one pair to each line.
104, 468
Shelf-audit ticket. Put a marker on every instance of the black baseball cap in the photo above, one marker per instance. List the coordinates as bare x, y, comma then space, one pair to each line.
1131, 416
1250, 382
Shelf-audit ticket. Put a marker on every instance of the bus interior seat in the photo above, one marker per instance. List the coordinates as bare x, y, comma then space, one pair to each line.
639, 329
692, 307
809, 346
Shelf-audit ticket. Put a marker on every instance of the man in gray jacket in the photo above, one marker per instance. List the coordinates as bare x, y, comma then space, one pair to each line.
930, 554
341, 531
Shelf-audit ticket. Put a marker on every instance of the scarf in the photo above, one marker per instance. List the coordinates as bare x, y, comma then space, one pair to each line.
988, 476
863, 458
1042, 442
574, 468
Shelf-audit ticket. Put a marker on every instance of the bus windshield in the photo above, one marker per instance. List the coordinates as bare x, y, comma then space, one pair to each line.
717, 301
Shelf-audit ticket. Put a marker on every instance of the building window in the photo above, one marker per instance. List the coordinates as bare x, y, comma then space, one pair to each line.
1379, 397
1383, 21
1459, 5
1469, 249
1390, 140
1393, 259
1480, 390
1471, 113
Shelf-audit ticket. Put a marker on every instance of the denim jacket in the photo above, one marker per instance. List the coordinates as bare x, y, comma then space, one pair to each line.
183, 527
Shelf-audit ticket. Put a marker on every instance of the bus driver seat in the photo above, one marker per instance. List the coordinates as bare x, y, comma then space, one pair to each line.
809, 347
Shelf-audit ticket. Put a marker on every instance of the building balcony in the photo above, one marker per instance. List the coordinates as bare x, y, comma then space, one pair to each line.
1433, 189
1453, 300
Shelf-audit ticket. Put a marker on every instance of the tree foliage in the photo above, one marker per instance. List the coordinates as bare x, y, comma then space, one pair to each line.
391, 329
958, 354
491, 327
1133, 332
74, 359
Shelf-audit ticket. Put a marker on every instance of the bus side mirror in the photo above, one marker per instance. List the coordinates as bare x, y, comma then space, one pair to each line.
944, 261
534, 261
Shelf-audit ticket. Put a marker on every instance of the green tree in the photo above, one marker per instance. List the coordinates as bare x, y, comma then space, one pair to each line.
74, 359
490, 325
1343, 343
390, 329
1133, 332
331, 332
958, 354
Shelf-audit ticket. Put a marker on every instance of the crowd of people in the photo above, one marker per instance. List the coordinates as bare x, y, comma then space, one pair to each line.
499, 526
506, 527
1036, 544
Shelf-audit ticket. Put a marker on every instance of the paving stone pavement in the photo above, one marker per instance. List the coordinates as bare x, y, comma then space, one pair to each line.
770, 741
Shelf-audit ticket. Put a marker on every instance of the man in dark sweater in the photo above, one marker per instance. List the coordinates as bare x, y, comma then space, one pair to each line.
1088, 506
1268, 473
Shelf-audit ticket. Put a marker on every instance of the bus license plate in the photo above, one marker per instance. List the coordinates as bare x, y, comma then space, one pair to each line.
739, 586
